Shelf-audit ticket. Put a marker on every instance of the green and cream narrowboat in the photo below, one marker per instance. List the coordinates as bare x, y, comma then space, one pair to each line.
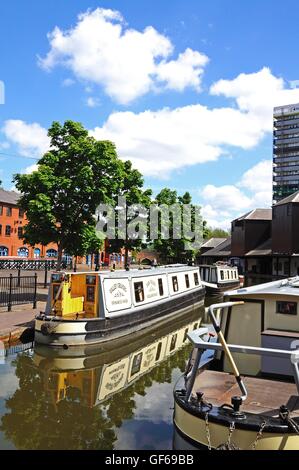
94, 307
218, 278
241, 388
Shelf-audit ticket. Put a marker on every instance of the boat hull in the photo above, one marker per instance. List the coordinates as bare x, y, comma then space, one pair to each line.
65, 332
220, 289
191, 432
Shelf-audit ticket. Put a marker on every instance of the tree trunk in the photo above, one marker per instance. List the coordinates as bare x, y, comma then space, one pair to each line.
59, 257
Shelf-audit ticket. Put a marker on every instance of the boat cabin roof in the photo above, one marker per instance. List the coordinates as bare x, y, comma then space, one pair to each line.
121, 273
281, 287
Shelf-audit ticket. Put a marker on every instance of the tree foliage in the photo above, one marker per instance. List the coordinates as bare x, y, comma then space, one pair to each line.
61, 196
173, 249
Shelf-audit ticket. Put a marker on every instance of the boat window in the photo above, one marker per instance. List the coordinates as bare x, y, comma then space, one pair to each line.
173, 342
159, 349
286, 308
139, 291
55, 289
136, 366
221, 274
175, 283
91, 280
213, 275
236, 275
90, 294
227, 273
185, 335
187, 281
161, 290
196, 280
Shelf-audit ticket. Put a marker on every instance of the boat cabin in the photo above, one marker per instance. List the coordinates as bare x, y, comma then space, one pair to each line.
268, 318
221, 274
106, 294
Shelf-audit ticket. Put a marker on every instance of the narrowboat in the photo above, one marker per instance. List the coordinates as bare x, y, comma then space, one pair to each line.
94, 307
240, 389
218, 278
100, 374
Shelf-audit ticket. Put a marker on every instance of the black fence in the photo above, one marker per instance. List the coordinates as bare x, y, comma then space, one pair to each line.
17, 290
30, 265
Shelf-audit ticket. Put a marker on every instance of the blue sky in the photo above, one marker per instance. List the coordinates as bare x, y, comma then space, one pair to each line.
184, 88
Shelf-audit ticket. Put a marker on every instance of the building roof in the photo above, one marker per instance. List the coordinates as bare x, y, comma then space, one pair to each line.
9, 197
292, 198
257, 214
213, 242
264, 249
222, 250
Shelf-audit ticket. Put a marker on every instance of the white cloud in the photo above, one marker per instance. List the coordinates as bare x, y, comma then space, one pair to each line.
187, 69
258, 178
161, 141
256, 94
224, 203
127, 63
30, 169
31, 139
92, 102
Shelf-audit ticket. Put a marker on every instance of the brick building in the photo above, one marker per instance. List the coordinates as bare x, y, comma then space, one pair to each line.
12, 222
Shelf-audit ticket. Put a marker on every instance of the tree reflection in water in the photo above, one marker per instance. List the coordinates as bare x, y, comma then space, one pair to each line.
34, 420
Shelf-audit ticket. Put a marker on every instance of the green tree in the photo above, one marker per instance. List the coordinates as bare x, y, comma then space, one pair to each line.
172, 248
131, 188
60, 198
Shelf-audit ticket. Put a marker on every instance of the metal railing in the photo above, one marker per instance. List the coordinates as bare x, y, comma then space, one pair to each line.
26, 264
17, 290
196, 337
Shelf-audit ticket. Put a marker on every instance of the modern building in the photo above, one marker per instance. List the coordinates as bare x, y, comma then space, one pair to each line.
12, 222
264, 242
285, 151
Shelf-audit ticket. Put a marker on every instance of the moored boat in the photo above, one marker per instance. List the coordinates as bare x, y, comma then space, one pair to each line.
246, 395
94, 307
218, 278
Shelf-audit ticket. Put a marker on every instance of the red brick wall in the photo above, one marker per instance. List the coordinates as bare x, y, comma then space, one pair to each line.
13, 242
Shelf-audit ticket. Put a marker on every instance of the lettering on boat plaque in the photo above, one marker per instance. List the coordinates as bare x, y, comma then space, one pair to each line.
151, 288
117, 293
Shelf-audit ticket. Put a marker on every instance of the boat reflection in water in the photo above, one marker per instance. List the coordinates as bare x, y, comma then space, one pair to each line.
79, 398
98, 377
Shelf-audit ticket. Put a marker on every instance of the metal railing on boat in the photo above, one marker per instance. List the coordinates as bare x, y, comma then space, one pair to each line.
199, 343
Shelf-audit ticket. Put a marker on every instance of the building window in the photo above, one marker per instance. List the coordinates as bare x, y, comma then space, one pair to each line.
51, 253
3, 251
36, 253
187, 281
286, 308
8, 230
20, 232
1, 210
139, 292
8, 211
175, 284
23, 252
160, 283
196, 280
173, 342
21, 213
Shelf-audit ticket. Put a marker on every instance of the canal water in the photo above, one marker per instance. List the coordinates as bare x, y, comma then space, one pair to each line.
118, 398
